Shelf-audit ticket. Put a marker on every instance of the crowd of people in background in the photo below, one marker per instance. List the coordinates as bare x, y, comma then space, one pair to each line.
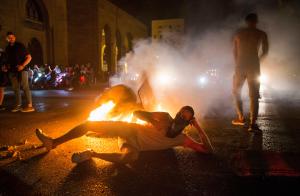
17, 70
60, 77
67, 77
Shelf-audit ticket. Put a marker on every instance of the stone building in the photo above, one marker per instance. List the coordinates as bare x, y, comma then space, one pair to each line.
40, 25
67, 32
170, 31
161, 27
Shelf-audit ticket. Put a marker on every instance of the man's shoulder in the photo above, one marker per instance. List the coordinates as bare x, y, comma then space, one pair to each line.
263, 33
240, 30
19, 44
8, 46
16, 45
245, 31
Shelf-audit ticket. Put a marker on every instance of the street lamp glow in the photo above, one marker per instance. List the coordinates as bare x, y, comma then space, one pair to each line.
202, 80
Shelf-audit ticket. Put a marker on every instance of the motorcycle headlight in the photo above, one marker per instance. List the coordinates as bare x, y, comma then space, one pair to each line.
202, 80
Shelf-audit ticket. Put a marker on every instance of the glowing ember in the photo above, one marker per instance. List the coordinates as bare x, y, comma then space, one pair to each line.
102, 113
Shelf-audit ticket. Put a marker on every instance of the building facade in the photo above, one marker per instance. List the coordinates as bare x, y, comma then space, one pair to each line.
101, 34
168, 30
41, 25
68, 32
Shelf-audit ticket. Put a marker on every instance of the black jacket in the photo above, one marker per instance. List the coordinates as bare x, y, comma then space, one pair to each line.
16, 55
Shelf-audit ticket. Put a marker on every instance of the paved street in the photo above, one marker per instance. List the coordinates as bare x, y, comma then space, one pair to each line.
244, 163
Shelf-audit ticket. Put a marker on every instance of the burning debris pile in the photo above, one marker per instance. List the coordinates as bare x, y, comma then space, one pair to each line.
20, 152
118, 104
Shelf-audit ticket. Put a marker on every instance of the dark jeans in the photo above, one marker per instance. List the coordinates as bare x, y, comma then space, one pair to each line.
18, 80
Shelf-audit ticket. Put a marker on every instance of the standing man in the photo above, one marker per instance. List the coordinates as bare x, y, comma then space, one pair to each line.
17, 60
247, 42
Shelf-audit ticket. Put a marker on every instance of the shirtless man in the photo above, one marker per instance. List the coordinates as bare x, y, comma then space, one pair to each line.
163, 132
247, 42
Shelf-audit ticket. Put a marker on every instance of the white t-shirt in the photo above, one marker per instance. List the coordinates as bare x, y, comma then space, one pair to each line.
153, 139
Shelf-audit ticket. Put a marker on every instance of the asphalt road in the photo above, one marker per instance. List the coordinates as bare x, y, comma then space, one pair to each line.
244, 163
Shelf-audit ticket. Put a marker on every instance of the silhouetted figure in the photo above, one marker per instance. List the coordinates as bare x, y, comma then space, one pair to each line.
247, 42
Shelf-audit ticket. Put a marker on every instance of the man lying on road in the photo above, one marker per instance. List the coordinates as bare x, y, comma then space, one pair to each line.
162, 132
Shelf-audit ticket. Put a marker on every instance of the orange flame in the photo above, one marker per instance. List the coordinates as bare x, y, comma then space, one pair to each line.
102, 114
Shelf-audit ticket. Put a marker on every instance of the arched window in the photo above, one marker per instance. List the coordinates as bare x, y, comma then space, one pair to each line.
118, 45
106, 51
36, 51
118, 52
129, 44
33, 11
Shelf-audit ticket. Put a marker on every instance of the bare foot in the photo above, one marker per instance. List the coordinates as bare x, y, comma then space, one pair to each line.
46, 140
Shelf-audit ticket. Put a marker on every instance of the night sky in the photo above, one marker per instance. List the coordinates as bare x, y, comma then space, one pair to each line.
198, 14
147, 10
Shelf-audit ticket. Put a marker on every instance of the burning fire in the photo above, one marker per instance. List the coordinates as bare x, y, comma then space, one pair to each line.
159, 108
102, 113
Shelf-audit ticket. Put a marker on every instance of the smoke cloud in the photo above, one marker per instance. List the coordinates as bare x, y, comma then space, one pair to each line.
198, 71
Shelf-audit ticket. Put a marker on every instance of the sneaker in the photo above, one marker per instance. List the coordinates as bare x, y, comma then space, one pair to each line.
46, 140
28, 109
2, 108
238, 122
253, 127
80, 157
16, 109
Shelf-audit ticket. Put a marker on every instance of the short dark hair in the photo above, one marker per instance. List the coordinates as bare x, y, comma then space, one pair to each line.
252, 17
188, 108
9, 33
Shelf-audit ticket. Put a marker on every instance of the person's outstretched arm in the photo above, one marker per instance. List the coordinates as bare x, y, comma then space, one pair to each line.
203, 136
145, 116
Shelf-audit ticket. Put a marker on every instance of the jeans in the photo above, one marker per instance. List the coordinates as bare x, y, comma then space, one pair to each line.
18, 80
239, 79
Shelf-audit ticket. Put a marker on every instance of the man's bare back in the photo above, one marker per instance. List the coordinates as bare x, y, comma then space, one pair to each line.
247, 42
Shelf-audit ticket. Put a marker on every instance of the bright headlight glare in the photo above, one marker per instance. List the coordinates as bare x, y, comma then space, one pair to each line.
263, 78
202, 80
164, 79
